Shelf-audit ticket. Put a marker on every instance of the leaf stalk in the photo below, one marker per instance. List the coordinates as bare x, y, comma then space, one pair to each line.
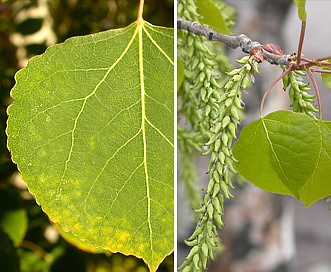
288, 70
317, 93
302, 37
140, 11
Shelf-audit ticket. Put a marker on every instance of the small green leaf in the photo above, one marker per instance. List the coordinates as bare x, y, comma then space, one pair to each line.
301, 4
13, 218
326, 78
287, 153
212, 16
15, 223
91, 129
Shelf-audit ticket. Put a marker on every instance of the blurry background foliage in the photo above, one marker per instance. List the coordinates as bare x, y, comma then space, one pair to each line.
28, 242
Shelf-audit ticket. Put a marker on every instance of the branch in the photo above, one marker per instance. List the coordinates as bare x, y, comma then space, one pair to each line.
242, 41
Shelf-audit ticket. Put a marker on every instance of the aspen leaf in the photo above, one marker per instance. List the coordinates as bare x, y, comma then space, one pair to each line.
301, 4
212, 16
287, 153
91, 130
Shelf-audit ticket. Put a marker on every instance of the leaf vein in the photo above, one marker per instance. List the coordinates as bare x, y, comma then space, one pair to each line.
105, 165
88, 96
158, 131
119, 191
157, 46
143, 128
272, 148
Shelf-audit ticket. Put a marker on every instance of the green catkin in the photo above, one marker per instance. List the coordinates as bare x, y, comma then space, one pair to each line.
212, 112
300, 100
219, 145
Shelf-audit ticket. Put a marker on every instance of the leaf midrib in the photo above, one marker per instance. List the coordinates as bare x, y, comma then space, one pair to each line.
143, 129
272, 149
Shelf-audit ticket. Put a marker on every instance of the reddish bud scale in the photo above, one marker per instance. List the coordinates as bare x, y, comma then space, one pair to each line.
258, 54
273, 49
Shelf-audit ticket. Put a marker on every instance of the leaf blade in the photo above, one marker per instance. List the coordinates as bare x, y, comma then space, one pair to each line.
289, 154
93, 137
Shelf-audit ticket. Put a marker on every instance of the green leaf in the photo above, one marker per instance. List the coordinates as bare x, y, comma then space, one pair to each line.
13, 218
301, 4
287, 153
326, 78
14, 223
228, 12
212, 16
91, 129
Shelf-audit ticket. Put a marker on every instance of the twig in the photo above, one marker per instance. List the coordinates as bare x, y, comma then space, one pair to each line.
321, 62
315, 70
302, 37
36, 249
323, 58
242, 41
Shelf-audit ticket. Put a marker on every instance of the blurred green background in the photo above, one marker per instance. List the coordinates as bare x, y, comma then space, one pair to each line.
28, 241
